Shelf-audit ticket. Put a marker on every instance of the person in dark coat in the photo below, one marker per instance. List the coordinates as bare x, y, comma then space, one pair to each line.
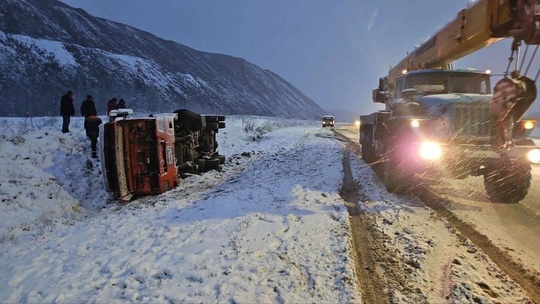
111, 105
91, 125
121, 104
88, 107
66, 110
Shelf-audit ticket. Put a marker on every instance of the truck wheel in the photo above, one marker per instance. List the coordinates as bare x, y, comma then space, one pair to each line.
525, 142
188, 119
210, 119
221, 118
508, 181
221, 159
368, 149
212, 126
394, 178
212, 164
201, 165
221, 124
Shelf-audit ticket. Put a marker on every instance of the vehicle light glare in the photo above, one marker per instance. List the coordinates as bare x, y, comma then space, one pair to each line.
528, 125
357, 123
404, 72
534, 156
430, 150
415, 123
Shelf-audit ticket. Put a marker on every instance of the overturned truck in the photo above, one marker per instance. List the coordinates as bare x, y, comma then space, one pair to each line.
149, 155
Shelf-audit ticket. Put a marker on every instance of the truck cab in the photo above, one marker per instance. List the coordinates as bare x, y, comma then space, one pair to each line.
328, 121
442, 120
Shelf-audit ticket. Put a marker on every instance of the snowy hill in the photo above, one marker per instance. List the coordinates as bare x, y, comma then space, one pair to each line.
48, 47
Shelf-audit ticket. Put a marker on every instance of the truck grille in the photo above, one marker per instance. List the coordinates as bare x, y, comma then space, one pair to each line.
472, 120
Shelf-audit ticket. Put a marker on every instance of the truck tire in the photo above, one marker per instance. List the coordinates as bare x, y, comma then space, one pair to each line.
221, 159
201, 165
394, 178
212, 126
210, 119
221, 124
189, 120
212, 164
221, 118
525, 142
508, 181
368, 149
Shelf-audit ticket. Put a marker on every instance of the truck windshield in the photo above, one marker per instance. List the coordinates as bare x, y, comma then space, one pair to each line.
444, 83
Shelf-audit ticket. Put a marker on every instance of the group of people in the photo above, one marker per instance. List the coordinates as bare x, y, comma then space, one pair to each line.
88, 110
113, 104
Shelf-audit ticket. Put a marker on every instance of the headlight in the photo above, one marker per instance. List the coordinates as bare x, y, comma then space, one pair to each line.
430, 151
528, 125
357, 123
534, 156
415, 123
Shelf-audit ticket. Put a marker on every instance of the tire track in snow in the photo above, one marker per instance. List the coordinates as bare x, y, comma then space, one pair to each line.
526, 278
369, 279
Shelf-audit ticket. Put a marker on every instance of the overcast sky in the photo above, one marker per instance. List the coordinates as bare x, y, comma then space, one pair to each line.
333, 51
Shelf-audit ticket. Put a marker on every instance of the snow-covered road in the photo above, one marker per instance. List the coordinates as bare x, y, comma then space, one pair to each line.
270, 227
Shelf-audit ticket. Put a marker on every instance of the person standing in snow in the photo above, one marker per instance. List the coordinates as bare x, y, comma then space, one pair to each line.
88, 107
111, 105
66, 110
121, 104
91, 125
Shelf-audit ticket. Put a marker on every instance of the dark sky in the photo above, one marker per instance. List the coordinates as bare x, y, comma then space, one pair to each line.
333, 51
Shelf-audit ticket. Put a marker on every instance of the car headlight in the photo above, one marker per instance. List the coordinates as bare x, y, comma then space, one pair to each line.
430, 150
534, 156
357, 123
415, 123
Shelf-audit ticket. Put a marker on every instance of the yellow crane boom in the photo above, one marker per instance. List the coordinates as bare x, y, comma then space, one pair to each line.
482, 23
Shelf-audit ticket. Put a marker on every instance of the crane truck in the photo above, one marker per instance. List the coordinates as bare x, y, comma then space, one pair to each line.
439, 120
149, 155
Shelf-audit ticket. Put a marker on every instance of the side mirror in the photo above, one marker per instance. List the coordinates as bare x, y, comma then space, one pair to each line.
379, 96
383, 83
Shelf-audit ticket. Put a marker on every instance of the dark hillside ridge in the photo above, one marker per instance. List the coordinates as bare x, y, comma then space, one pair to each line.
48, 47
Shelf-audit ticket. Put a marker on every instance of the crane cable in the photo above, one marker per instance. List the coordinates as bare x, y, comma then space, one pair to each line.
522, 62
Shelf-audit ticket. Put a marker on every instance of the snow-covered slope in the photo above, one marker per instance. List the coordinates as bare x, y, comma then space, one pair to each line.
269, 227
48, 47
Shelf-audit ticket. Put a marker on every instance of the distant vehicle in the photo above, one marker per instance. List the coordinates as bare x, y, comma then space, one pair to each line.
148, 155
328, 121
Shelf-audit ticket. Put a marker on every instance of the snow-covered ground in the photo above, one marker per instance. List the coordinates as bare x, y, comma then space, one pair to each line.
269, 227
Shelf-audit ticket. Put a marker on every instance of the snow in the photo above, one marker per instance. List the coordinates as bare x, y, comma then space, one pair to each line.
269, 227
54, 48
147, 69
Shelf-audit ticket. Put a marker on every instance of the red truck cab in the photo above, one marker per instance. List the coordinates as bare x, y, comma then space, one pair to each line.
139, 156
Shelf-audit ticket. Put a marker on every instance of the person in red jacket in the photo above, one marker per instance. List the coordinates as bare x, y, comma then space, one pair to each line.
91, 125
